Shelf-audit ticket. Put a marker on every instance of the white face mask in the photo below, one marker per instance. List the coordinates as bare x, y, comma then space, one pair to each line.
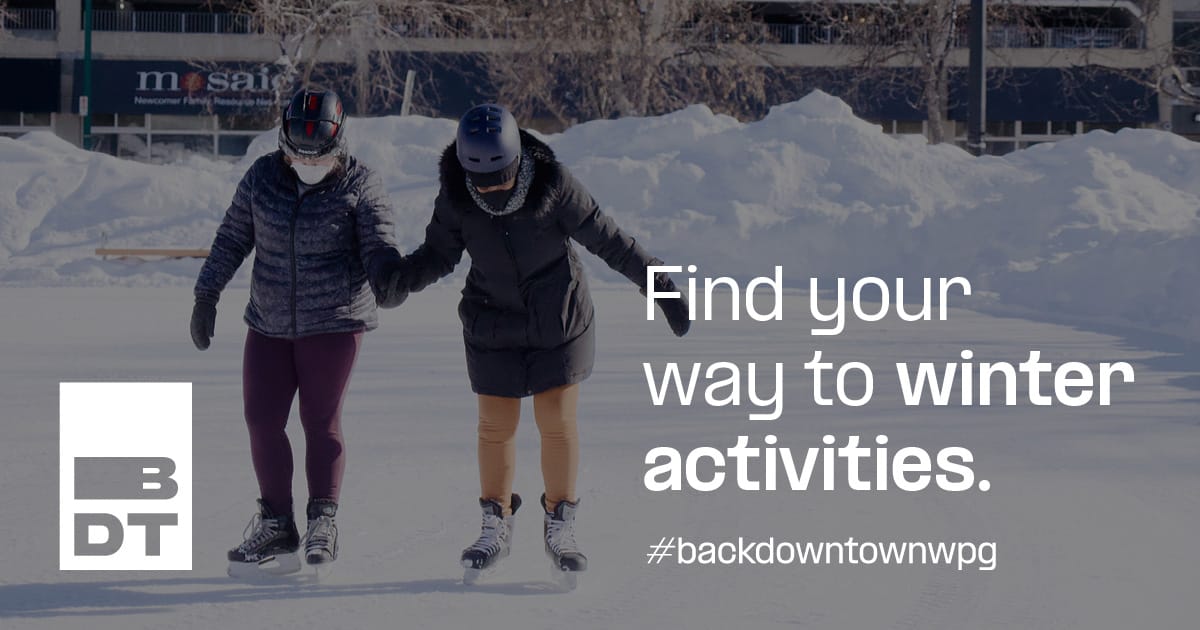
311, 174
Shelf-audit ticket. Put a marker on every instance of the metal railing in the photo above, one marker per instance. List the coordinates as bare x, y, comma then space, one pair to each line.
800, 34
451, 28
234, 23
30, 19
1024, 37
998, 37
430, 29
173, 22
1094, 37
806, 34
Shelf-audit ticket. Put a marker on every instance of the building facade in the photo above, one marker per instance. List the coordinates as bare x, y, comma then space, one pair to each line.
185, 74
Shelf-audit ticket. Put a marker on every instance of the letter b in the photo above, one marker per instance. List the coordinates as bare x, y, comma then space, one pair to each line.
687, 549
125, 478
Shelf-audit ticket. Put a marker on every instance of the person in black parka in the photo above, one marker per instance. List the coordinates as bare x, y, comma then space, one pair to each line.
321, 229
527, 316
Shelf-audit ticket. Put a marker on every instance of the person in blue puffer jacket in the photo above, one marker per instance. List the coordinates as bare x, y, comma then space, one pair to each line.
321, 228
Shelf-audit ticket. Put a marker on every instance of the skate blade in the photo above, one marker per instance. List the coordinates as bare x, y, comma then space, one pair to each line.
564, 580
274, 567
323, 572
472, 576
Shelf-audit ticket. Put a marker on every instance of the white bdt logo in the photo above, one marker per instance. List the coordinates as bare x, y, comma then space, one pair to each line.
125, 476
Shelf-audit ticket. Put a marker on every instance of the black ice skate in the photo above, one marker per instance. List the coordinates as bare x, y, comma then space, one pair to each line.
269, 545
559, 531
321, 539
494, 542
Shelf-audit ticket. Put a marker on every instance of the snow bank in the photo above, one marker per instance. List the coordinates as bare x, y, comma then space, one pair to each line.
1101, 226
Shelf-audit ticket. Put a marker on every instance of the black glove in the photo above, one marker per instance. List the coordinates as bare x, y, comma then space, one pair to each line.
204, 322
386, 279
675, 309
392, 291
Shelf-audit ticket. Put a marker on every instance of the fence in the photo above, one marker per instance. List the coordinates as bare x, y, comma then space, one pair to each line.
997, 37
797, 34
30, 19
452, 28
153, 138
233, 23
173, 22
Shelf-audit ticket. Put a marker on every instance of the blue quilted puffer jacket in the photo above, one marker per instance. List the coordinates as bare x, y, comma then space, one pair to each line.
319, 255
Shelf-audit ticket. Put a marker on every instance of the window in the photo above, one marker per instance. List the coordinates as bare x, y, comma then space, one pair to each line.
253, 122
131, 120
173, 147
1105, 126
1060, 128
163, 122
999, 148
127, 145
233, 145
23, 120
37, 119
885, 125
1003, 128
1038, 128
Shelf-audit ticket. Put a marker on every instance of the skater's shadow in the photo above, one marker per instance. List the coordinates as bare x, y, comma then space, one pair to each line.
528, 587
122, 597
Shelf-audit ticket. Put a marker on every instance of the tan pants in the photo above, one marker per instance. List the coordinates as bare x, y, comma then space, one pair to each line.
555, 414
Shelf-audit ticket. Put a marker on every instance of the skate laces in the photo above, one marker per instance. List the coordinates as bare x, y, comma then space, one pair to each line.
258, 532
492, 535
560, 534
320, 533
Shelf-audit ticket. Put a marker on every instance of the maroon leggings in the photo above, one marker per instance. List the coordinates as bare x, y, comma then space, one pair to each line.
272, 371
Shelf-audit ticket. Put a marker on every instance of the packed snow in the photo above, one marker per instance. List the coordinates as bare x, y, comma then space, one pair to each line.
1100, 227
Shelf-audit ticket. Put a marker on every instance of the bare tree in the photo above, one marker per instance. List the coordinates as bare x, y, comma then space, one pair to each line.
354, 39
910, 49
378, 78
585, 59
922, 36
300, 29
4, 17
1129, 45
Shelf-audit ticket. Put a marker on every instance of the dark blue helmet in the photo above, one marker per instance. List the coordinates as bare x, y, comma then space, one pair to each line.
488, 139
312, 124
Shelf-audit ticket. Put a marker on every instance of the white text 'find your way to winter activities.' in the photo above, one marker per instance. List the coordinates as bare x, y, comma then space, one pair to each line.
761, 463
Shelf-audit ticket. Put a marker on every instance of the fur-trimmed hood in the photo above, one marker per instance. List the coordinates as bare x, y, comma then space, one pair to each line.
526, 290
453, 176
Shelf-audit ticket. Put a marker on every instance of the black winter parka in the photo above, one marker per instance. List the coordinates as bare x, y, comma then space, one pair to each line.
526, 311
